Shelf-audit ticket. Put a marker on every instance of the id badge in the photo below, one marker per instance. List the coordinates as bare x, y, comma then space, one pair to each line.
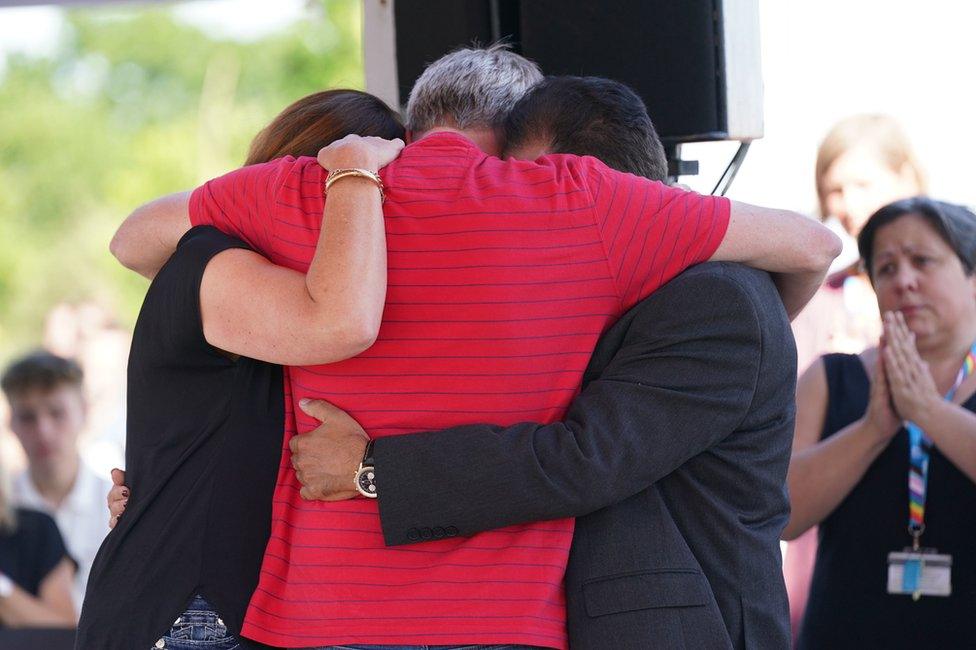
919, 573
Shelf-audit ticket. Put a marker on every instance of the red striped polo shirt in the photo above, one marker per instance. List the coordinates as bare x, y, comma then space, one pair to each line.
502, 276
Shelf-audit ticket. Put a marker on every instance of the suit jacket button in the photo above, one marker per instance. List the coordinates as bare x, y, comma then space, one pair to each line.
439, 532
451, 531
413, 534
426, 533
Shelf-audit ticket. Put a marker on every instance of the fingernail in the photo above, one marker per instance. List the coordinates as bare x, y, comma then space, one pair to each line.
303, 402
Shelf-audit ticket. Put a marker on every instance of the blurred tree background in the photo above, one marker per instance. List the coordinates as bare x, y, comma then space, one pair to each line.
134, 104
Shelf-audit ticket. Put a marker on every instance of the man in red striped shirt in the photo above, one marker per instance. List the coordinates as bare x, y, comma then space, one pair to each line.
687, 398
502, 275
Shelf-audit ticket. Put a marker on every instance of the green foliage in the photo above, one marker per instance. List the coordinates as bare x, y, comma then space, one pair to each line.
136, 104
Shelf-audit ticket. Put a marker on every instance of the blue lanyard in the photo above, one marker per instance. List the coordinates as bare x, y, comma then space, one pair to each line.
918, 457
918, 479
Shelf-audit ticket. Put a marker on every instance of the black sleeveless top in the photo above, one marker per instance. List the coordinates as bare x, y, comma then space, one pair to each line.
203, 446
849, 606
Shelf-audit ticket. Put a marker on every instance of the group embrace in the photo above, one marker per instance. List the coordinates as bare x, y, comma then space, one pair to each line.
529, 394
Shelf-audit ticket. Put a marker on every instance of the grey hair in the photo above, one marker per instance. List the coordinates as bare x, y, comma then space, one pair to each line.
469, 88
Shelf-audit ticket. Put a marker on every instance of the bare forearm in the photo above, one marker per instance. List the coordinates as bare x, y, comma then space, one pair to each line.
821, 476
334, 310
149, 235
953, 431
21, 609
348, 272
797, 289
331, 313
778, 241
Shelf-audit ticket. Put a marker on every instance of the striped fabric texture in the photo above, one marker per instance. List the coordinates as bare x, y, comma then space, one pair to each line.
502, 276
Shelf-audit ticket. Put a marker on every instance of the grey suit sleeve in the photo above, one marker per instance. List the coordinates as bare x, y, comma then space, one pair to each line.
682, 380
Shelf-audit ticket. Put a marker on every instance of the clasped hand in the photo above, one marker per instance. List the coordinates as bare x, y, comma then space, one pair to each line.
902, 387
360, 151
326, 458
913, 390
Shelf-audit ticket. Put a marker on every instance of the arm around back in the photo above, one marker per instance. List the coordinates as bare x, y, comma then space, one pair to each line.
796, 249
682, 380
149, 235
253, 308
780, 241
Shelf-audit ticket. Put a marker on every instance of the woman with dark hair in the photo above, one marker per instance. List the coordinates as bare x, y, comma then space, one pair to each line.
206, 405
863, 163
315, 120
884, 456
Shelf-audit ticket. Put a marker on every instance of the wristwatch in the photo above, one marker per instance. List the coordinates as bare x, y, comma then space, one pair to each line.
6, 586
366, 474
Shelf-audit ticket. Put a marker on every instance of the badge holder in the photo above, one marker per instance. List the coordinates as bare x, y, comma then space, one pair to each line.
918, 571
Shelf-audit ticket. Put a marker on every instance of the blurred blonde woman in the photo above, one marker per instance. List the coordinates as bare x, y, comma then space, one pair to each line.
35, 571
863, 163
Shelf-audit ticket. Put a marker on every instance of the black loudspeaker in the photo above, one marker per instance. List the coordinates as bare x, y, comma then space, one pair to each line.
694, 62
428, 29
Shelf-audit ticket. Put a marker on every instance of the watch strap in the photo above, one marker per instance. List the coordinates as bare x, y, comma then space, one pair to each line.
368, 455
365, 478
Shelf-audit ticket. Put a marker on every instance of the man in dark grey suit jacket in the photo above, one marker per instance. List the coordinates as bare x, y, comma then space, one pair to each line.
674, 458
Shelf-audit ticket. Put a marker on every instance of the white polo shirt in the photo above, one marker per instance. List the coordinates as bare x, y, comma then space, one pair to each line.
82, 519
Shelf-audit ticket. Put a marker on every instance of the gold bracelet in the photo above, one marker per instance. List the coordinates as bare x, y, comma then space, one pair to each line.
336, 174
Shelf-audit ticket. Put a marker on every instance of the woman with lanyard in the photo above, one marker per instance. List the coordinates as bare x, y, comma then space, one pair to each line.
884, 456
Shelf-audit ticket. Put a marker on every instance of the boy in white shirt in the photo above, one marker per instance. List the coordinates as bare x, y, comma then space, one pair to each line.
47, 414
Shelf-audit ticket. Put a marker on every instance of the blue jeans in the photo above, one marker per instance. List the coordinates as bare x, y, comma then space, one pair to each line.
198, 628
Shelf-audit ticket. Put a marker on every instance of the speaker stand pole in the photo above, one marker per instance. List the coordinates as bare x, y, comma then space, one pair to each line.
676, 166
